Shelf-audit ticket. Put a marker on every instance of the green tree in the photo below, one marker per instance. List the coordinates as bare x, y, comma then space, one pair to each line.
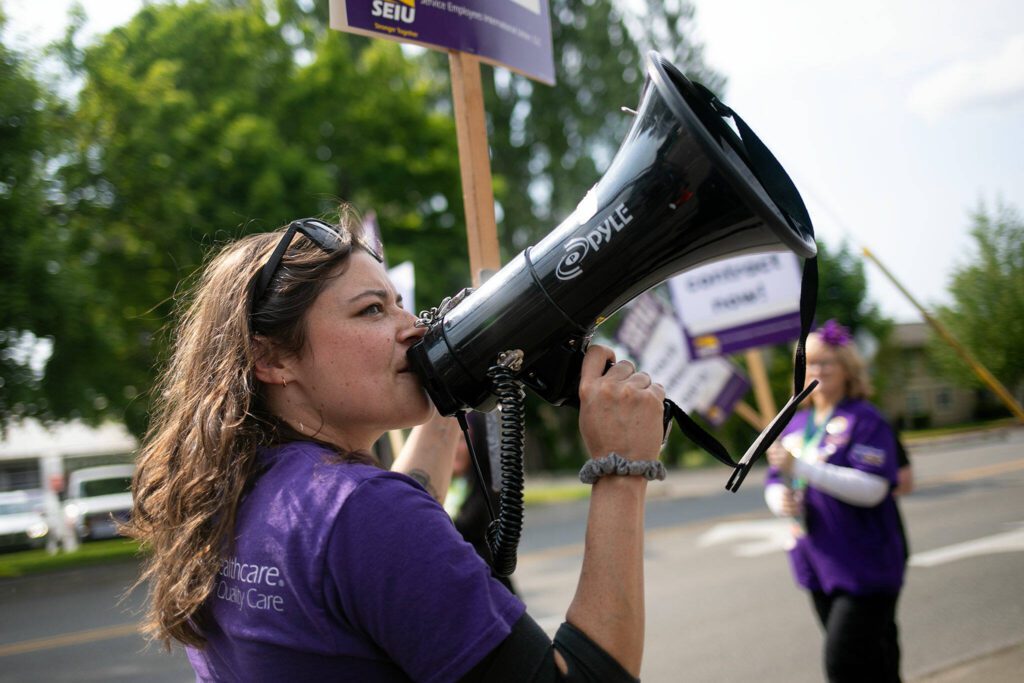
387, 142
31, 260
173, 147
201, 122
843, 292
987, 313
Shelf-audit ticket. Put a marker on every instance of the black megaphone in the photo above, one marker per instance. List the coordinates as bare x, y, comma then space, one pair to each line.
680, 192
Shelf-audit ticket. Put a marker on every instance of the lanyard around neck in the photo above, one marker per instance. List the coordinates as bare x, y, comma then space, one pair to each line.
812, 434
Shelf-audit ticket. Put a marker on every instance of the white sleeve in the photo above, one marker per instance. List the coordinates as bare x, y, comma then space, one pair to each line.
773, 494
849, 485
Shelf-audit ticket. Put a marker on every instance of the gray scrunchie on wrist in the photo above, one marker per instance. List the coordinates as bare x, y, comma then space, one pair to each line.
613, 463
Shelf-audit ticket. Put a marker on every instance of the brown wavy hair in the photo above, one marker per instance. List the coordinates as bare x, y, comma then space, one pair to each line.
209, 418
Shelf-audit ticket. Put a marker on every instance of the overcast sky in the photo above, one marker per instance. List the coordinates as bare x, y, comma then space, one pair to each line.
895, 118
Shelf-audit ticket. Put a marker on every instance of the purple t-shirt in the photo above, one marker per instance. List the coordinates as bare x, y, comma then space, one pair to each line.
850, 548
347, 572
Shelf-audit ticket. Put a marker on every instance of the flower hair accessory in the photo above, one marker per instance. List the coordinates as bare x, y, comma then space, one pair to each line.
835, 334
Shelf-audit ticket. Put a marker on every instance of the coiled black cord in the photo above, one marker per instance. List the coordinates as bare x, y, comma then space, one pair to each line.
503, 533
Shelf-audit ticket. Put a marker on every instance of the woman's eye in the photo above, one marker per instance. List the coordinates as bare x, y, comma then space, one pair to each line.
372, 309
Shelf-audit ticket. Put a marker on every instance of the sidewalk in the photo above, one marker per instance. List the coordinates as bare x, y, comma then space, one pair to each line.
1001, 666
982, 434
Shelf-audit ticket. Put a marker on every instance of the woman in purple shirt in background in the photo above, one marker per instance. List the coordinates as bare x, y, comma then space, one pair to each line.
281, 551
833, 472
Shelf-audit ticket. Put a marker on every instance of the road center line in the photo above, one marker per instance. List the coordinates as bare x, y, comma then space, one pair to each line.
77, 638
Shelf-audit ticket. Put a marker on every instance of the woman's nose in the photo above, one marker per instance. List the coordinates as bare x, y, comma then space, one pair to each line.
409, 331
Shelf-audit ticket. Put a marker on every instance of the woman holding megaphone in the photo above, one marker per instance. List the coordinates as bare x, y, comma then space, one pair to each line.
280, 550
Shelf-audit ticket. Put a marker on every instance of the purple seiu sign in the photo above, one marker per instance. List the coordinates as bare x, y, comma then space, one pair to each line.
511, 33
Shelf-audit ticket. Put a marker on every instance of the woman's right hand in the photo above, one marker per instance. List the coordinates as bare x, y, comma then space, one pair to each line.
621, 410
790, 505
780, 458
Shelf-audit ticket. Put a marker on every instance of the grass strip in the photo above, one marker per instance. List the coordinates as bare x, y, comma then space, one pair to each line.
13, 565
559, 493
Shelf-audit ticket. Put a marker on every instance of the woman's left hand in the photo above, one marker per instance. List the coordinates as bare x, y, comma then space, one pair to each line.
429, 453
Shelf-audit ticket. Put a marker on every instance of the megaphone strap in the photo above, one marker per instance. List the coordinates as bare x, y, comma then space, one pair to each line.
697, 434
714, 447
767, 437
808, 304
779, 186
777, 183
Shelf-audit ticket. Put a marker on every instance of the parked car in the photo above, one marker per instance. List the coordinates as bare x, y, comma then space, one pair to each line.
97, 499
22, 520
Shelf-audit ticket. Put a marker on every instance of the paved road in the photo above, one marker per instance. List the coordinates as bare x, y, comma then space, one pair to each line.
74, 627
721, 605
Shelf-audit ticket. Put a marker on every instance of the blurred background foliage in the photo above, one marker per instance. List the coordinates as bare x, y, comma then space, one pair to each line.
198, 122
987, 313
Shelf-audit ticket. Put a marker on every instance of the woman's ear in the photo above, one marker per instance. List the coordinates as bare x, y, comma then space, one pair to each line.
270, 367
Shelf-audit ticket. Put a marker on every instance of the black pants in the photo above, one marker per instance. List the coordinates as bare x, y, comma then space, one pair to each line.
861, 638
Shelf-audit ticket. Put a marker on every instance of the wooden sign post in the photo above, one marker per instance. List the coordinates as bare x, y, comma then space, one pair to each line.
762, 388
474, 164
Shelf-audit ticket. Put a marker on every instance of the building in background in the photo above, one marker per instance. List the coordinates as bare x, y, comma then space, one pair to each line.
25, 444
916, 396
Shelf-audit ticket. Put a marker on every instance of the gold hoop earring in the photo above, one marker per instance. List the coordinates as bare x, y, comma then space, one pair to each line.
284, 383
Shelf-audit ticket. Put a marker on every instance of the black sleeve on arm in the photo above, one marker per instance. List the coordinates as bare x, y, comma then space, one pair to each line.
527, 654
586, 659
901, 452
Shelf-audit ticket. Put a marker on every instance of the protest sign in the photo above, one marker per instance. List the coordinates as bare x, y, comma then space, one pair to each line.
739, 303
650, 333
512, 33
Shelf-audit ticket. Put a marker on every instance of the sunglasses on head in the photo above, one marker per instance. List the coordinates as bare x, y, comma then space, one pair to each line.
324, 235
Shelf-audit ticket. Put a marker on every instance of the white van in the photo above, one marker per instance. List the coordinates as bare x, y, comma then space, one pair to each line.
98, 498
